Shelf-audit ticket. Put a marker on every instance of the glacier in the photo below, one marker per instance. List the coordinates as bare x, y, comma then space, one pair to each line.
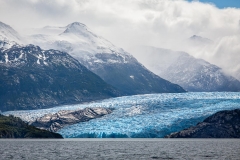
142, 116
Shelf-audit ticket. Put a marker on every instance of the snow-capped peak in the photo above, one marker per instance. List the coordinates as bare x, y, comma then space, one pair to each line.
76, 24
87, 47
195, 37
75, 27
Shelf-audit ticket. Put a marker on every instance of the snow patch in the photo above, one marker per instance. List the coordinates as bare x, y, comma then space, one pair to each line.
6, 58
21, 54
45, 63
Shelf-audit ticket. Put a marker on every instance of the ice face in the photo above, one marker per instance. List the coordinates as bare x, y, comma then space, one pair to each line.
143, 116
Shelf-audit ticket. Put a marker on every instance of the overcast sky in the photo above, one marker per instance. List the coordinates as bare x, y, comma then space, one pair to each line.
124, 22
127, 23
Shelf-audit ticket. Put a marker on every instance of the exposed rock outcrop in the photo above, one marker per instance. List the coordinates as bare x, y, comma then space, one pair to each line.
223, 124
54, 122
14, 127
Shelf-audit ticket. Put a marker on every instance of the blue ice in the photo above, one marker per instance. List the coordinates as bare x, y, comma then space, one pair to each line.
143, 116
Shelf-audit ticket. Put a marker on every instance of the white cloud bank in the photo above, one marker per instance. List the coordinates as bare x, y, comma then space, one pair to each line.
128, 23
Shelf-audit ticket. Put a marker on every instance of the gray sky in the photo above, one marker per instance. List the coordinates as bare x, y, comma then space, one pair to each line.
128, 23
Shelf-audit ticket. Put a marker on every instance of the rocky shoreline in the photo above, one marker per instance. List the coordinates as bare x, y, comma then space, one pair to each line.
223, 124
14, 127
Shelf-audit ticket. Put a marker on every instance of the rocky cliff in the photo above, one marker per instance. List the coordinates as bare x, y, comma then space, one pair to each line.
223, 124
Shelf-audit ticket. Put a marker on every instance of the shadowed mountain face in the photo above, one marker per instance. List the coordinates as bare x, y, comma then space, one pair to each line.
112, 64
133, 78
32, 78
223, 124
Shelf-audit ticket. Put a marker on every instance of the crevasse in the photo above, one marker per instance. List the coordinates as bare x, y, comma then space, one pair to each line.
143, 116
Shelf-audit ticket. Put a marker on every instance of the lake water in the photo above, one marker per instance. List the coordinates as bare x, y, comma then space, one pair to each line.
120, 149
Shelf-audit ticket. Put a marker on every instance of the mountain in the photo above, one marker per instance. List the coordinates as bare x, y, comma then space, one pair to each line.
8, 36
199, 40
223, 124
13, 127
223, 51
238, 74
112, 64
191, 73
32, 78
198, 75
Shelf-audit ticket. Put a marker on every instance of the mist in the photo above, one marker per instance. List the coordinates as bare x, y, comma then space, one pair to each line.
128, 24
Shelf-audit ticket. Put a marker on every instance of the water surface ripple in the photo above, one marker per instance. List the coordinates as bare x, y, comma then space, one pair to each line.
120, 149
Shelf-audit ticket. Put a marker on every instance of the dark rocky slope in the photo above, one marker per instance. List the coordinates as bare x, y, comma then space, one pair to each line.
223, 124
13, 127
32, 78
54, 122
133, 78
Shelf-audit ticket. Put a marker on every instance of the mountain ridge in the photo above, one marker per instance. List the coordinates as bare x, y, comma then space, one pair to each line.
191, 73
32, 78
114, 65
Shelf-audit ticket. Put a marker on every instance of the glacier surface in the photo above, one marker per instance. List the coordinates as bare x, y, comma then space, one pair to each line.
143, 116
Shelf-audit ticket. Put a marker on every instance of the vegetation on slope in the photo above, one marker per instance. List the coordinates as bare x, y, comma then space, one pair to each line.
14, 127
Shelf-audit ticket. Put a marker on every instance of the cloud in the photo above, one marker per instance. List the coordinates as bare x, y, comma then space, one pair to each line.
128, 23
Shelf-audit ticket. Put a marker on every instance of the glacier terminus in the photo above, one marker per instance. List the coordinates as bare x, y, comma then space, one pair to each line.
142, 116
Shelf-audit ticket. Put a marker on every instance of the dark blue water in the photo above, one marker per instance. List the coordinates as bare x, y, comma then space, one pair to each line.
120, 149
